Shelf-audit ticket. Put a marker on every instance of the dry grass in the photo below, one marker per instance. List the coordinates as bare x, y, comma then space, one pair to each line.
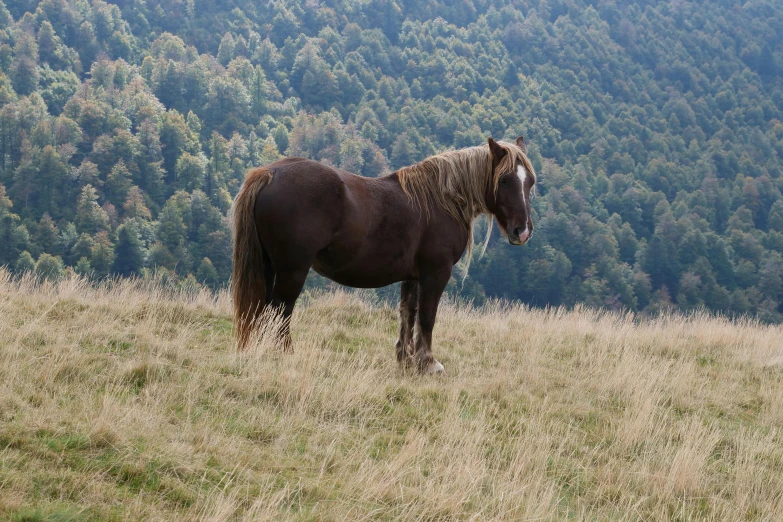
127, 403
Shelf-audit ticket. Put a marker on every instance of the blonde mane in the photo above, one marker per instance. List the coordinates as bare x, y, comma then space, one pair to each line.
456, 181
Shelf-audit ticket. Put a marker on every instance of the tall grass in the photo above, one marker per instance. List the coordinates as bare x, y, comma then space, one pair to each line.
126, 401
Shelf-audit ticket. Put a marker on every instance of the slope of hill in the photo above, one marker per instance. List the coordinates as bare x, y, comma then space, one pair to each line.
125, 129
128, 402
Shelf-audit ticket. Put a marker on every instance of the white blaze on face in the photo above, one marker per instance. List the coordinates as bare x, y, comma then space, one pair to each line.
522, 173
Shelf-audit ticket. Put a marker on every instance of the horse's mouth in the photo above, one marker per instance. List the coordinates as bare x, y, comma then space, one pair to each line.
520, 237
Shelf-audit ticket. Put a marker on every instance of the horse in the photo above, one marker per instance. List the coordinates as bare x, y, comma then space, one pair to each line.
411, 226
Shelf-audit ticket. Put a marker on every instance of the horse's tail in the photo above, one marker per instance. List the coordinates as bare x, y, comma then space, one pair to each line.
247, 279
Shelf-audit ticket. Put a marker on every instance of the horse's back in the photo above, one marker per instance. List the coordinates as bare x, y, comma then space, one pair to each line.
312, 189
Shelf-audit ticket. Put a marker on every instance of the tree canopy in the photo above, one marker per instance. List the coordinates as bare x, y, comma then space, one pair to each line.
655, 128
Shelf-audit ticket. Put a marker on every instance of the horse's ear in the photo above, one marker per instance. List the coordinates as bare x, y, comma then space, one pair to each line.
521, 144
496, 150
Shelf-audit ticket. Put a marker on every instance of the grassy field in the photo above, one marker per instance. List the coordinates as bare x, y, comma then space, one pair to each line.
126, 402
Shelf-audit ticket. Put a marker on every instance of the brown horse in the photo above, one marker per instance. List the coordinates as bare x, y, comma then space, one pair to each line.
412, 226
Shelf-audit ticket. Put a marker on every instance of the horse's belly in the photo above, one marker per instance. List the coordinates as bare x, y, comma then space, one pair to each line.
365, 274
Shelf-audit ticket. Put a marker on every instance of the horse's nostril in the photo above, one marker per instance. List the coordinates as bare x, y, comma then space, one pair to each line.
517, 232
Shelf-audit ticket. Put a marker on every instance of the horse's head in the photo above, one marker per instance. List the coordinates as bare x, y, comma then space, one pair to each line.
509, 198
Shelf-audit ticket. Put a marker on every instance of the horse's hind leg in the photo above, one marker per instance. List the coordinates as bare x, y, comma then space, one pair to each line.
409, 304
288, 286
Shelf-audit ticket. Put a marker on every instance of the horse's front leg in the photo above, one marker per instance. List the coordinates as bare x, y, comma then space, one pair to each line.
409, 304
431, 287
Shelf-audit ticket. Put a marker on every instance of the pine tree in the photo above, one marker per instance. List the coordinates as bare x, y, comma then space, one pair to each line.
134, 206
253, 152
50, 183
24, 187
14, 238
118, 183
511, 77
87, 174
236, 148
207, 274
5, 16
171, 227
102, 255
161, 256
5, 201
47, 43
82, 247
86, 43
175, 139
68, 237
403, 152
90, 217
194, 126
269, 152
218, 164
47, 235
151, 160
258, 91
191, 171
128, 252
83, 267
25, 263
775, 218
280, 134
226, 50
351, 155
25, 74
49, 267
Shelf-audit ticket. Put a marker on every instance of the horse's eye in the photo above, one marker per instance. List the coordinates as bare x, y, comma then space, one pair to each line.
503, 181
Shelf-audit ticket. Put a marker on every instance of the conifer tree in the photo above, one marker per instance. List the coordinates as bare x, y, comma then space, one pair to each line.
83, 267
207, 274
49, 268
25, 73
102, 255
134, 206
90, 217
118, 183
128, 254
47, 235
191, 171
25, 263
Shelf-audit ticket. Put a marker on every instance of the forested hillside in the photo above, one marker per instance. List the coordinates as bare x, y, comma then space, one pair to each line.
655, 128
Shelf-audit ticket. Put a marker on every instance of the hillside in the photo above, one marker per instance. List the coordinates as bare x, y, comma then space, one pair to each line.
126, 127
129, 402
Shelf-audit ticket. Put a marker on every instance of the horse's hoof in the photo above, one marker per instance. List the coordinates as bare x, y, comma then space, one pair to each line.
434, 367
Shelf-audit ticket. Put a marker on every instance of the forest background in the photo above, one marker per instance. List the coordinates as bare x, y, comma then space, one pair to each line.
655, 129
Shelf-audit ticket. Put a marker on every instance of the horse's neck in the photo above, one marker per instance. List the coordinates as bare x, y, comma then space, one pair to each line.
463, 194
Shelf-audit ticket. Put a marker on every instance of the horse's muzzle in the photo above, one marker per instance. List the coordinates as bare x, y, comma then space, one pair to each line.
520, 236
